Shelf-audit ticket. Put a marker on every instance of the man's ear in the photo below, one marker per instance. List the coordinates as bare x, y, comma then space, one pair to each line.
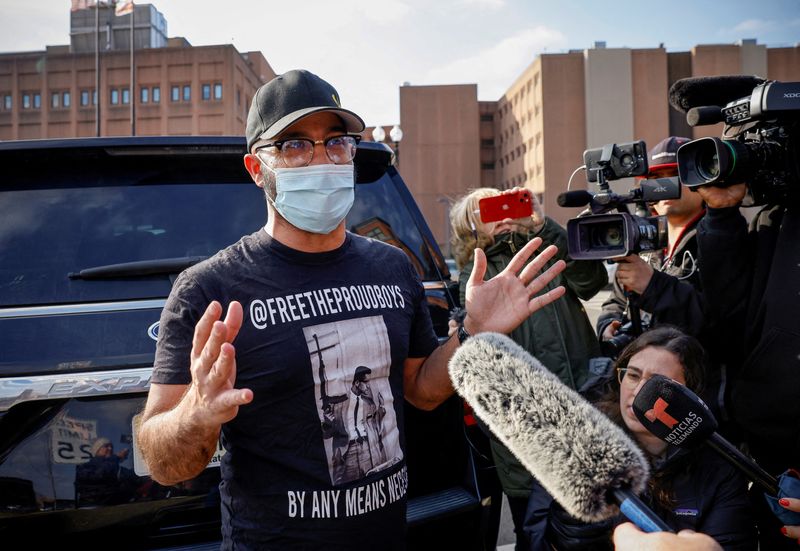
253, 165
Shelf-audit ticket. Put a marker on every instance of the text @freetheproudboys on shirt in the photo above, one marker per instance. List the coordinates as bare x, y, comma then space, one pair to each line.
323, 302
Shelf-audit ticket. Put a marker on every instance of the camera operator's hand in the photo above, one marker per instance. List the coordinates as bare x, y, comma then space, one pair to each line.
611, 330
633, 273
722, 197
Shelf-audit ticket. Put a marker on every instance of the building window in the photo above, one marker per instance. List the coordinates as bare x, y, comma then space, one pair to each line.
37, 101
175, 93
66, 100
486, 118
156, 94
114, 96
487, 143
84, 98
205, 92
238, 97
94, 97
187, 92
7, 102
54, 100
487, 166
126, 96
144, 94
218, 91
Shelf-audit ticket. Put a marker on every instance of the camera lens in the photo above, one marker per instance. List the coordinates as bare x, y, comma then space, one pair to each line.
708, 165
607, 235
613, 236
627, 161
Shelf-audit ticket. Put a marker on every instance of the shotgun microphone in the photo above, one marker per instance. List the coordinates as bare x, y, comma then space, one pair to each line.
577, 198
701, 116
585, 461
679, 417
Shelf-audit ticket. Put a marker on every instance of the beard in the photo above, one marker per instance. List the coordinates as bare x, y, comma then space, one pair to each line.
270, 189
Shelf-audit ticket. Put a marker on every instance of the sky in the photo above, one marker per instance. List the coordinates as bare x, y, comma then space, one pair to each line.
367, 49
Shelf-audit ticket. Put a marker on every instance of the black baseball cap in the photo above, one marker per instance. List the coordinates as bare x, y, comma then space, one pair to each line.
665, 153
289, 97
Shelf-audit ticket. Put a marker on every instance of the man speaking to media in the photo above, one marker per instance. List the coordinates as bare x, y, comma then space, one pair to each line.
300, 293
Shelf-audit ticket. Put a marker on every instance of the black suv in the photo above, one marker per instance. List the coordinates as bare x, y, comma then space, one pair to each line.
92, 235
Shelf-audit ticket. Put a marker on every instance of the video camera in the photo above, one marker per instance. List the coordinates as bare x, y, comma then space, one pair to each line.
602, 234
761, 142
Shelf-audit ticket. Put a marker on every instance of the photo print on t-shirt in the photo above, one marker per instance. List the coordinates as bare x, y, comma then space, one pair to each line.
351, 361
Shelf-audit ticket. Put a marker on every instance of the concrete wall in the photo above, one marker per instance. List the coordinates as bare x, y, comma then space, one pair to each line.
650, 95
563, 132
439, 156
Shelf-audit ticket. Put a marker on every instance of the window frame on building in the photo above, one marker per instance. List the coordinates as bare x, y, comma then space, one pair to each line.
156, 94
125, 96
175, 93
217, 92
113, 96
186, 93
8, 101
144, 95
86, 97
205, 91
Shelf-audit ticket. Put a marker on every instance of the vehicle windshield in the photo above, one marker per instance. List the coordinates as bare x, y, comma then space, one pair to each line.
48, 233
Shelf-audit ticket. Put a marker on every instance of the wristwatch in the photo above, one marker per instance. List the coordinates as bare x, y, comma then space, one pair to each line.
462, 333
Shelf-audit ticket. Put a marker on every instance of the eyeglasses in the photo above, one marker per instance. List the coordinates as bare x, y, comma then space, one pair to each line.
628, 377
297, 152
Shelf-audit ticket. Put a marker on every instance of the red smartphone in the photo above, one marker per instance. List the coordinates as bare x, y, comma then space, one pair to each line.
507, 205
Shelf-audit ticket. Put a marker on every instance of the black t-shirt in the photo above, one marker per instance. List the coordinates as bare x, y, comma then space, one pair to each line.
318, 457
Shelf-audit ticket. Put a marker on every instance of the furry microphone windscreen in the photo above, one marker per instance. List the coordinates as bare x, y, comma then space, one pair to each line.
705, 91
575, 451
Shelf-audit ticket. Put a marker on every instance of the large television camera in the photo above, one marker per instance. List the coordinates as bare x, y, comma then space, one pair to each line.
601, 233
760, 145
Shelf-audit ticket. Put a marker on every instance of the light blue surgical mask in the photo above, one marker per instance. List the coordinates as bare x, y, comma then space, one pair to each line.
314, 198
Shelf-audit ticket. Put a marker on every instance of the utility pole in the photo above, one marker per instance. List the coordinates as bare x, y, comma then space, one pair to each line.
133, 78
97, 69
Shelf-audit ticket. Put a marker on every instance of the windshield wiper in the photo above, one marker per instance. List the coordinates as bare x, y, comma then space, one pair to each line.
139, 268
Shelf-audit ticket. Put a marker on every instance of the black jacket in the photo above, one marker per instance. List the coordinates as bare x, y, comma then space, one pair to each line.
752, 282
673, 296
710, 496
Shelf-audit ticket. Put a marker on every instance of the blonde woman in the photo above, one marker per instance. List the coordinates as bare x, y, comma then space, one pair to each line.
559, 335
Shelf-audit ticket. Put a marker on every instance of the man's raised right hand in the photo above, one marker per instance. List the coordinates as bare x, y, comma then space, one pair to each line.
211, 393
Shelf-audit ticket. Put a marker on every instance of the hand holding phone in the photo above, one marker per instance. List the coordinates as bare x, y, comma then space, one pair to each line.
518, 204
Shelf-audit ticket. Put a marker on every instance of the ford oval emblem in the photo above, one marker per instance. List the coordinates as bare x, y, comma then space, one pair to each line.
152, 331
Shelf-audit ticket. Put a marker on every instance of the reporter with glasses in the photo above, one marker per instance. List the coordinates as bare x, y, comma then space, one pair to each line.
688, 489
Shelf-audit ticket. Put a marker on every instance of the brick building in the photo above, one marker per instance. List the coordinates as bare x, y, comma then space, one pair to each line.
179, 89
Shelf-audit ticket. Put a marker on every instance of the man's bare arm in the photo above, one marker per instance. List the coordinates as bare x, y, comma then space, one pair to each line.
175, 447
